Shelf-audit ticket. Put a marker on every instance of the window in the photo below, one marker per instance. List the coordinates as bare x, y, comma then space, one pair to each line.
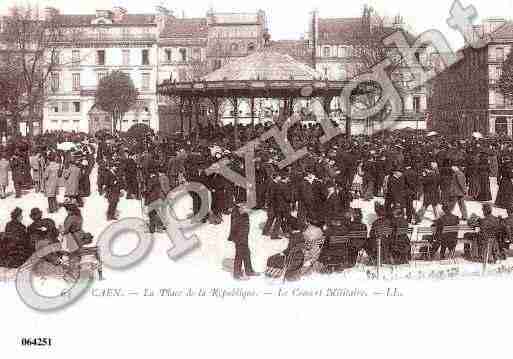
326, 52
102, 34
126, 57
499, 54
168, 55
501, 125
76, 106
75, 58
100, 57
145, 85
56, 58
234, 47
498, 71
125, 32
65, 107
499, 99
183, 54
55, 82
54, 107
251, 47
100, 76
76, 82
145, 57
196, 53
416, 104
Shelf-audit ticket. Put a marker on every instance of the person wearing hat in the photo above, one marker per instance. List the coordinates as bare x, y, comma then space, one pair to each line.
400, 249
335, 256
396, 189
71, 177
35, 165
51, 178
293, 254
487, 240
42, 231
430, 182
4, 174
239, 233
71, 230
380, 225
442, 240
15, 229
504, 197
112, 188
17, 166
458, 191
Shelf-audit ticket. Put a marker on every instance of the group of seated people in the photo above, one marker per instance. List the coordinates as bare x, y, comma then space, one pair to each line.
19, 242
339, 243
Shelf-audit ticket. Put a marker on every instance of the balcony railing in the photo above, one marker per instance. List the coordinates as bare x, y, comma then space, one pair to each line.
110, 37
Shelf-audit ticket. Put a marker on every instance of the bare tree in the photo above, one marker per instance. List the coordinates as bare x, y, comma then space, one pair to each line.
30, 59
368, 51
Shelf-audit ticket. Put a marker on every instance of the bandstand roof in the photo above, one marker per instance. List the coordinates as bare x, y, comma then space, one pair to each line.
261, 74
264, 65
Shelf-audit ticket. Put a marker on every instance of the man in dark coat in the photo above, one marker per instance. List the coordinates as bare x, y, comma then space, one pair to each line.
153, 199
490, 226
412, 185
18, 173
132, 186
112, 190
458, 191
42, 231
378, 228
239, 233
337, 201
278, 212
444, 240
14, 229
396, 190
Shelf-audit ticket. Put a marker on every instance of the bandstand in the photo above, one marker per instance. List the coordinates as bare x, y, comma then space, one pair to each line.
261, 75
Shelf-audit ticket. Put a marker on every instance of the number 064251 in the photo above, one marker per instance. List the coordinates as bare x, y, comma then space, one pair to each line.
38, 342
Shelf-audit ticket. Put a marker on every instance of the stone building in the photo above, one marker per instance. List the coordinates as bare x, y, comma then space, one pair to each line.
465, 97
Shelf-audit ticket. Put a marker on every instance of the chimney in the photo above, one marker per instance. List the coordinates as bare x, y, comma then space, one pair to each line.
50, 13
118, 13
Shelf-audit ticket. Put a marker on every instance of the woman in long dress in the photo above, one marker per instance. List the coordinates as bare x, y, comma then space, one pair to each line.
483, 172
505, 176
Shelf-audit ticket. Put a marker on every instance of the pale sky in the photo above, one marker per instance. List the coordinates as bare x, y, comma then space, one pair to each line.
288, 20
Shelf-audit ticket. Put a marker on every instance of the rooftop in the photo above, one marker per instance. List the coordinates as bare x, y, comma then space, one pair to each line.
185, 28
264, 65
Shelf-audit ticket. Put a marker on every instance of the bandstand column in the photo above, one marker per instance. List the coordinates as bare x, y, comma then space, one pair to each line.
181, 117
252, 103
197, 110
191, 106
235, 102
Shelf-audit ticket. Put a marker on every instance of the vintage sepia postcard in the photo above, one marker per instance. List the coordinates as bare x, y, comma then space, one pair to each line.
187, 179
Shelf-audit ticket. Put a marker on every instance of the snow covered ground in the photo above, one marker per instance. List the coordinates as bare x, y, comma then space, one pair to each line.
206, 261
259, 323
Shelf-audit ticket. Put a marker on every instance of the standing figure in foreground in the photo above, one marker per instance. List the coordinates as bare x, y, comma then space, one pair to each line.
51, 178
4, 175
239, 232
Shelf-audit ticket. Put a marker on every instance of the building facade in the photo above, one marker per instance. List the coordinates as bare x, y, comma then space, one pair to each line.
336, 42
93, 46
465, 97
149, 48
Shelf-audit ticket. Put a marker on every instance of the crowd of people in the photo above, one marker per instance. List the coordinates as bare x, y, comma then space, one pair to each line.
312, 197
